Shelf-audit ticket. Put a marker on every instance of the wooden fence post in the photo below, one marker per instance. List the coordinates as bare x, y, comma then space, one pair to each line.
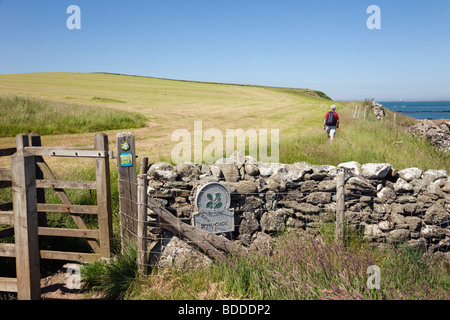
340, 207
35, 141
126, 166
22, 141
142, 223
23, 166
395, 119
103, 177
365, 113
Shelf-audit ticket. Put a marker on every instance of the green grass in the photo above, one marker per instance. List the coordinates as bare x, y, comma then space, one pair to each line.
171, 104
365, 142
298, 268
20, 114
302, 268
302, 92
114, 279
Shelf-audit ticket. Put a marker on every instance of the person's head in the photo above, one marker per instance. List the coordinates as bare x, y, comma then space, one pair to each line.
333, 107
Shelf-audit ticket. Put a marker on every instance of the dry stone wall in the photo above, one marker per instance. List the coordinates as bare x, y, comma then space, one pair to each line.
438, 132
378, 110
386, 205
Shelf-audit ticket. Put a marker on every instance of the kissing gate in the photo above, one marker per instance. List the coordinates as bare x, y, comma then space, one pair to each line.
26, 216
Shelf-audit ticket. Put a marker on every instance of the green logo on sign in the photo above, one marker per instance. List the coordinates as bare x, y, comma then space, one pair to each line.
215, 201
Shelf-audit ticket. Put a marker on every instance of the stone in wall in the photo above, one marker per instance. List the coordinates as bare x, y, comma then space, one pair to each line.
435, 131
378, 110
176, 253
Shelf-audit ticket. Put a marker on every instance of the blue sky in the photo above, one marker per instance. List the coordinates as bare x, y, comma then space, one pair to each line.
323, 45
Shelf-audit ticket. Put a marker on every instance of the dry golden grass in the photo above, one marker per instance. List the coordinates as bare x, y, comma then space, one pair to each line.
167, 284
168, 105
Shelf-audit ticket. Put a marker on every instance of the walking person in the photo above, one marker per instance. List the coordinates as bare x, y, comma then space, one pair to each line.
331, 122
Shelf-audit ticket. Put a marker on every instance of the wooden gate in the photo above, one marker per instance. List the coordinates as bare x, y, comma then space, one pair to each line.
26, 217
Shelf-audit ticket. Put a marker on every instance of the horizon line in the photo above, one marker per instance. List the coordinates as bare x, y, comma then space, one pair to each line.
232, 84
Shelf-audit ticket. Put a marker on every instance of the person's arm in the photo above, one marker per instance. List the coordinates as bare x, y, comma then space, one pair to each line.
337, 124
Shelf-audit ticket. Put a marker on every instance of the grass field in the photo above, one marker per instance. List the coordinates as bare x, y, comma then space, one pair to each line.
169, 104
19, 114
299, 268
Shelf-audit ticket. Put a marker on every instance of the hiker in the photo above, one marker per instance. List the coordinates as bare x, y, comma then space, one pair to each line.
331, 122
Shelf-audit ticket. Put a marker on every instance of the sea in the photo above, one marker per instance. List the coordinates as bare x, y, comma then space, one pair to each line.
420, 109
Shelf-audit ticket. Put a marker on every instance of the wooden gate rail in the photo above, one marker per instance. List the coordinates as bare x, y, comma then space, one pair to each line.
27, 212
69, 152
8, 284
66, 184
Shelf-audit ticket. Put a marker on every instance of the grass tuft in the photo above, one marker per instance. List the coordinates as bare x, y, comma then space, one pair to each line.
310, 268
114, 279
19, 114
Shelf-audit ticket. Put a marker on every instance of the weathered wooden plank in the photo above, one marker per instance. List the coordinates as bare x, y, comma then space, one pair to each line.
5, 174
33, 139
7, 217
7, 250
22, 141
127, 187
66, 184
7, 152
69, 256
102, 174
62, 195
340, 207
67, 152
75, 233
72, 209
8, 284
26, 226
142, 218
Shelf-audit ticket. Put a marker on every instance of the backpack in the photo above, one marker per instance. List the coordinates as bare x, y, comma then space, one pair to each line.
331, 119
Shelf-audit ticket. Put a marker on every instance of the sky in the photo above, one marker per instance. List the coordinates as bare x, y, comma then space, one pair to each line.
322, 45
